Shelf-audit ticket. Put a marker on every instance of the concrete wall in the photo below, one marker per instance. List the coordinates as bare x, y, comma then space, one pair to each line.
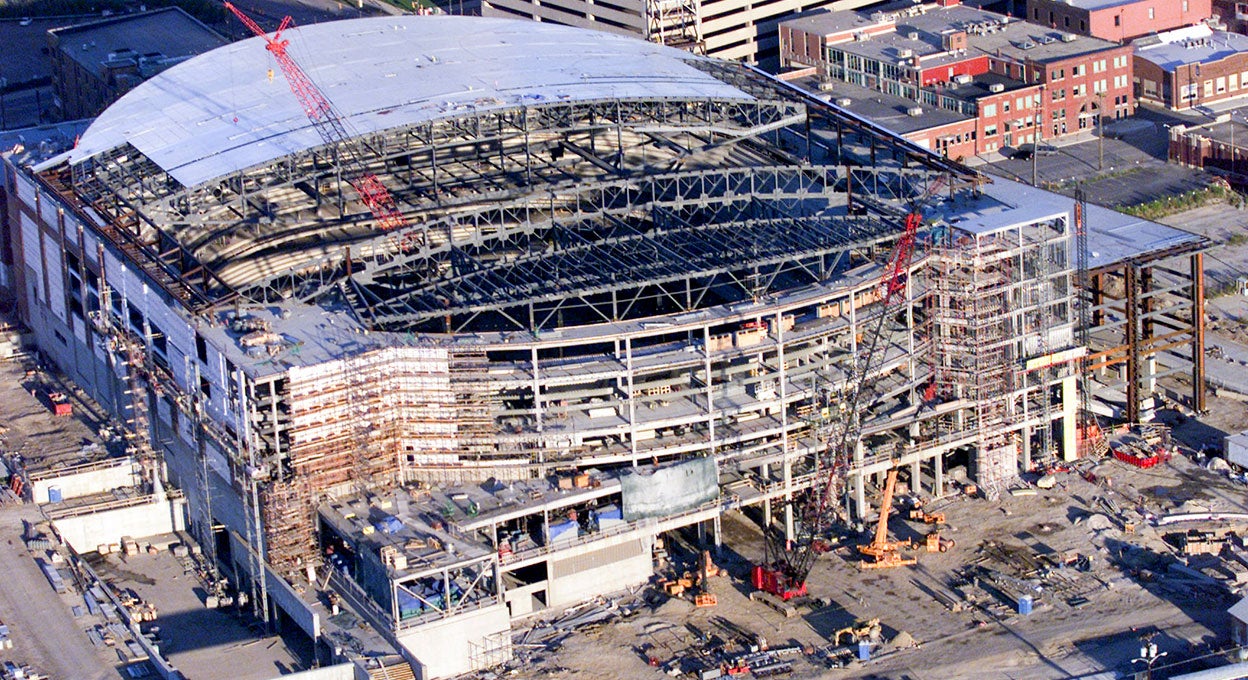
451, 646
342, 671
615, 567
86, 532
124, 473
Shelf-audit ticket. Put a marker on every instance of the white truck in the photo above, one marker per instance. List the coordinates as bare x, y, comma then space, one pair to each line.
1235, 450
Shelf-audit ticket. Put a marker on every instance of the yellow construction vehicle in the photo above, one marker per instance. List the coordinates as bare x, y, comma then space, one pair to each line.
937, 544
883, 552
861, 630
918, 514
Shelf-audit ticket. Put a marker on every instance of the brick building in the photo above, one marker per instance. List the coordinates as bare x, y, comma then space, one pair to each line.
1117, 20
1233, 15
1019, 82
1190, 67
95, 63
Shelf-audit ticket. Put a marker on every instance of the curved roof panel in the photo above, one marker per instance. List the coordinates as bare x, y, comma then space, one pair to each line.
231, 109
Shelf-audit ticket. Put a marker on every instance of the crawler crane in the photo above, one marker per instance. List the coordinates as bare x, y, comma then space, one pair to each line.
788, 562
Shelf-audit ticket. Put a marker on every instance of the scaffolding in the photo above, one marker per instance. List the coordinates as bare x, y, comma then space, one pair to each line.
676, 23
975, 335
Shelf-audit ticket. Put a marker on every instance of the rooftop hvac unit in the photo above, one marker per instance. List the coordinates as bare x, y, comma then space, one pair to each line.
844, 102
905, 54
913, 35
861, 36
825, 86
963, 79
996, 87
1069, 37
914, 111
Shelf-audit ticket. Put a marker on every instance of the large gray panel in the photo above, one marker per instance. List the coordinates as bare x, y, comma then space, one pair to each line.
670, 489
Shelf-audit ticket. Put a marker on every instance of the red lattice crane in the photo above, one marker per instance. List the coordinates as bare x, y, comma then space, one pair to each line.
787, 563
330, 125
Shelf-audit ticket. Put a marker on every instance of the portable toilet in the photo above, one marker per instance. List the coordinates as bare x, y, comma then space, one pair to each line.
54, 494
1024, 605
864, 651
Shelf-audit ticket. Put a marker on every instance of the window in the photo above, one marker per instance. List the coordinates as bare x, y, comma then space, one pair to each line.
1079, 70
1035, 14
1117, 19
1233, 81
1005, 106
1208, 87
1152, 14
990, 110
1083, 25
1185, 6
990, 130
1057, 74
1059, 95
1220, 85
1066, 21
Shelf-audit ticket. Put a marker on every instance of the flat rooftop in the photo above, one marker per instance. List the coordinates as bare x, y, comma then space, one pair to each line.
1112, 236
437, 524
221, 112
1192, 45
989, 33
886, 110
162, 37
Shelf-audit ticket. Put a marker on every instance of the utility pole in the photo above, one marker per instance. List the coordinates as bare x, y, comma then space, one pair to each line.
1037, 120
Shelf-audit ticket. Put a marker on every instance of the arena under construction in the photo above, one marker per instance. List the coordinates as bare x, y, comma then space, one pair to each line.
624, 294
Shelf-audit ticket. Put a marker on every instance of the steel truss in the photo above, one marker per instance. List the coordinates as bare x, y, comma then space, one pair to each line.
209, 233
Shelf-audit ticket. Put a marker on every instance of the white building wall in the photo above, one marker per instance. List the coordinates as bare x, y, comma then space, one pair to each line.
449, 647
604, 570
74, 485
87, 532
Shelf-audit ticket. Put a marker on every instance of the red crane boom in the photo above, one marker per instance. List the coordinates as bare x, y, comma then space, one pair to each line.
787, 563
329, 124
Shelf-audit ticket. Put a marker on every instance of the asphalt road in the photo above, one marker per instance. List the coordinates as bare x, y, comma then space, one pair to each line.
43, 630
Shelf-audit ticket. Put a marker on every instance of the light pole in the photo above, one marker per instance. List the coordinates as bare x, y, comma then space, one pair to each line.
1148, 655
1100, 123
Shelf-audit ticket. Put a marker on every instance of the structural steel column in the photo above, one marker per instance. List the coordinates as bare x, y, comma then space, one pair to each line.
1198, 332
1131, 339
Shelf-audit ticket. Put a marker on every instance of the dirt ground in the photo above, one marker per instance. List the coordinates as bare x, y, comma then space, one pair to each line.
1084, 622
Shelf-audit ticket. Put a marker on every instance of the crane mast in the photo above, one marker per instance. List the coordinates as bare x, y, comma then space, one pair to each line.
788, 563
329, 124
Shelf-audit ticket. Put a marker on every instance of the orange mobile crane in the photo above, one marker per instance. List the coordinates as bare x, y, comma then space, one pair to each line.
331, 126
787, 563
884, 553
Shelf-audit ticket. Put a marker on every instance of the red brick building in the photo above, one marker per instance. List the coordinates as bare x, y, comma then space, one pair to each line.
1018, 81
1118, 20
1191, 67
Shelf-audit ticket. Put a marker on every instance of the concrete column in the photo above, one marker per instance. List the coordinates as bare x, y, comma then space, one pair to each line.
916, 477
938, 475
1026, 447
1070, 419
860, 495
701, 534
765, 473
789, 533
718, 532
